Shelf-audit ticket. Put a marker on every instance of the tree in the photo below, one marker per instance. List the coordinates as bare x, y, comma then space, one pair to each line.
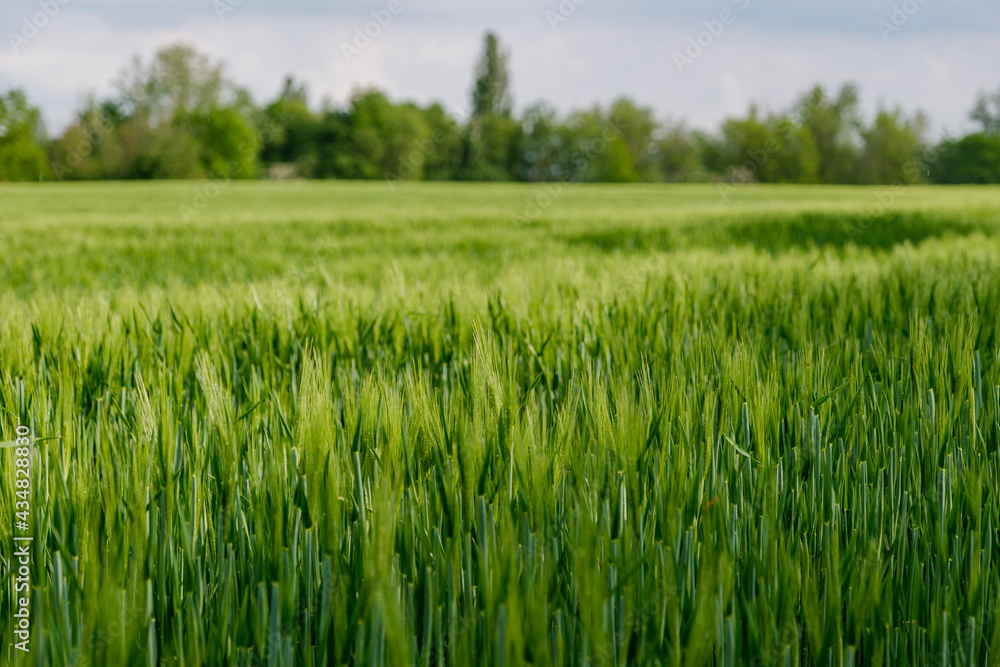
635, 127
597, 149
21, 156
105, 143
442, 159
890, 144
679, 153
290, 130
491, 148
987, 112
775, 149
796, 159
973, 159
834, 124
492, 135
380, 140
228, 142
539, 156
490, 95
333, 134
177, 117
179, 81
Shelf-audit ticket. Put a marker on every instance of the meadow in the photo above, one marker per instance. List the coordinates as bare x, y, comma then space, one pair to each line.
454, 424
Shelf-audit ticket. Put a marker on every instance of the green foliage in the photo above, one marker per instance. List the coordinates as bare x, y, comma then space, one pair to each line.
178, 81
227, 140
652, 428
599, 151
491, 90
442, 156
972, 159
680, 154
491, 148
290, 128
772, 150
635, 128
170, 151
21, 156
834, 124
986, 112
104, 144
492, 135
890, 145
385, 140
179, 117
541, 145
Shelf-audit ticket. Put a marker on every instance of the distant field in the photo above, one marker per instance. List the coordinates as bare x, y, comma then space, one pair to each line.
133, 235
340, 423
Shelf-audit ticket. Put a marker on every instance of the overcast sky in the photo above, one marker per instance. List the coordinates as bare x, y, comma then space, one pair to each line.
937, 56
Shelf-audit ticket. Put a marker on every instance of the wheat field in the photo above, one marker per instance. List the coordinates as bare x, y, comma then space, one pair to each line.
456, 424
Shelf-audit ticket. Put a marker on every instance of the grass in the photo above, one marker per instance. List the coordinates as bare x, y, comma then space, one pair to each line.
336, 424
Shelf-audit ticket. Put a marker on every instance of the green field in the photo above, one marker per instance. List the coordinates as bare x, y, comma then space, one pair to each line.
456, 424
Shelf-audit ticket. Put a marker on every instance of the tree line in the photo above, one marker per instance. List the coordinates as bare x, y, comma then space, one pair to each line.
179, 116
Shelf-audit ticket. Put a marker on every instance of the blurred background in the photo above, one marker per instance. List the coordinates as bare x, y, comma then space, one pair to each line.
735, 91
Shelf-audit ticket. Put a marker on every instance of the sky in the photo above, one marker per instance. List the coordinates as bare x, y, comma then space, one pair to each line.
695, 61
